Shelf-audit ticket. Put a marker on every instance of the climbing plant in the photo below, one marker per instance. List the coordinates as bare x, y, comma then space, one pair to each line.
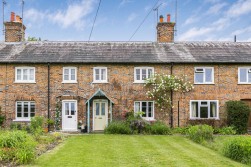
2, 118
58, 116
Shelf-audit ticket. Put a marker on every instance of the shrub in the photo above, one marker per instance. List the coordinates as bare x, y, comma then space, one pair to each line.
15, 126
225, 131
239, 149
36, 126
181, 130
17, 147
158, 128
237, 115
200, 133
118, 127
2, 118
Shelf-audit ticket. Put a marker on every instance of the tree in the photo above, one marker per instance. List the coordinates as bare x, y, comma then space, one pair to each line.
161, 88
33, 39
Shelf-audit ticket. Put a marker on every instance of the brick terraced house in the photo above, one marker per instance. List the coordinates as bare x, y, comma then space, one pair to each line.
96, 82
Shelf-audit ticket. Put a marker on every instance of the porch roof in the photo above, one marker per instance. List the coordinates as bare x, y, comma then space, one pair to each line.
99, 93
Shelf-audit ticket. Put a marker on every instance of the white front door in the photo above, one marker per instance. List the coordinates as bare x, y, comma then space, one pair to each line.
100, 114
69, 115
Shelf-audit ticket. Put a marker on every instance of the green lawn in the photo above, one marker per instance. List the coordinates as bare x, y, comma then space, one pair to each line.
134, 150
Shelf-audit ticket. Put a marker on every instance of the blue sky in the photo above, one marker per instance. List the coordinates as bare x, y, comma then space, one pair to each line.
71, 20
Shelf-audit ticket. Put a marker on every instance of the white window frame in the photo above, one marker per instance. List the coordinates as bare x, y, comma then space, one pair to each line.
69, 80
94, 75
248, 71
29, 111
140, 109
28, 75
142, 68
204, 76
208, 105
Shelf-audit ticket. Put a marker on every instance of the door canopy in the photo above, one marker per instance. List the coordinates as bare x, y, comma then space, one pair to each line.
99, 93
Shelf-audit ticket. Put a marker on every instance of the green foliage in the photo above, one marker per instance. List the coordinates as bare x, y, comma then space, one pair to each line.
158, 128
225, 131
161, 85
15, 126
58, 116
36, 125
237, 115
17, 147
200, 133
180, 130
239, 149
33, 39
118, 127
2, 118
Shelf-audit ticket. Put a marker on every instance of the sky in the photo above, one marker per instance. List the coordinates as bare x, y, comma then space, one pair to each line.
118, 20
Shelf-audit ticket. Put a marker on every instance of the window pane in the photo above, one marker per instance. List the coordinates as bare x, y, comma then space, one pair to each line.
137, 74
243, 75
96, 74
97, 109
72, 108
73, 74
26, 109
103, 72
25, 74
199, 77
67, 108
143, 109
19, 74
150, 109
103, 109
204, 103
150, 71
19, 109
195, 109
143, 74
32, 74
213, 109
203, 112
32, 108
66, 74
209, 75
249, 77
137, 106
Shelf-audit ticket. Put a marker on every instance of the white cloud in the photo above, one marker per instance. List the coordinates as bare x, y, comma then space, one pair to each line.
124, 2
212, 1
215, 9
33, 15
132, 17
74, 15
194, 32
242, 31
239, 8
191, 20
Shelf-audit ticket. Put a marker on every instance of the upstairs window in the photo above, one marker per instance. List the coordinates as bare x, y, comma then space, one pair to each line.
204, 109
100, 74
146, 107
25, 74
142, 73
25, 110
244, 75
69, 75
204, 75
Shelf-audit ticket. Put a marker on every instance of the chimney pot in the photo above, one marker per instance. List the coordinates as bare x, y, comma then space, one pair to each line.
18, 19
161, 19
168, 18
12, 16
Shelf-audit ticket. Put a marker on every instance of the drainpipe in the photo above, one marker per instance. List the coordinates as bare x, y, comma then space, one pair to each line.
171, 116
48, 85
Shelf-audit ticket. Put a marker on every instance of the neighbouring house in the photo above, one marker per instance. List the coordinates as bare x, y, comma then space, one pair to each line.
96, 82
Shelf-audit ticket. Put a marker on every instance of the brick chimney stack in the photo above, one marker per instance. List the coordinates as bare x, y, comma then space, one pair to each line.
14, 29
165, 30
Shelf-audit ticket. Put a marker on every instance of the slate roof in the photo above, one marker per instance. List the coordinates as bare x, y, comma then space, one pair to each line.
125, 52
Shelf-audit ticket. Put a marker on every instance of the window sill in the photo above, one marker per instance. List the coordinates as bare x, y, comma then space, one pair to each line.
149, 119
21, 120
23, 82
204, 83
99, 82
73, 82
204, 119
239, 83
139, 82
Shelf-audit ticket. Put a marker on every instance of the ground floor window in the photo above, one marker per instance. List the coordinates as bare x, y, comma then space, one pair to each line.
146, 107
203, 109
25, 110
